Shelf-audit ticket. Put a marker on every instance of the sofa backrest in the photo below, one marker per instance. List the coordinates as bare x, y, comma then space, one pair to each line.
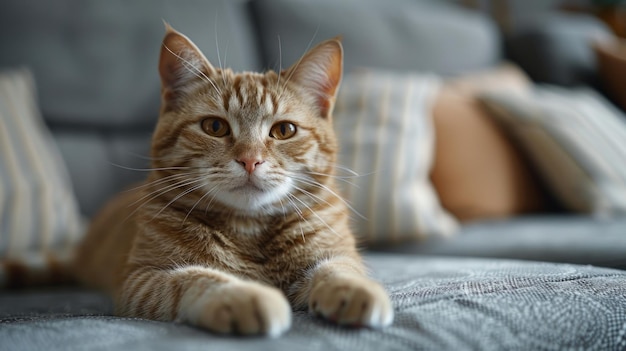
95, 61
415, 35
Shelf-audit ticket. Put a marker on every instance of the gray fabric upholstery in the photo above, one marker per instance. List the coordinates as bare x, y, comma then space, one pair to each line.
93, 158
417, 35
440, 304
557, 238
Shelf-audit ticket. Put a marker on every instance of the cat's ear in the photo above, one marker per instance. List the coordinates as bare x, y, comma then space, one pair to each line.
180, 63
319, 73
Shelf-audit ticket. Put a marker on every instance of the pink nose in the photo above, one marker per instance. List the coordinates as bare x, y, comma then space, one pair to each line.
250, 163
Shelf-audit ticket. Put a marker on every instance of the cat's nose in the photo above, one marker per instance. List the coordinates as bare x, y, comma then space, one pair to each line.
250, 163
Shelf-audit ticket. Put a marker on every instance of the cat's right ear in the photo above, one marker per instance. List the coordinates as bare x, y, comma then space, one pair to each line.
180, 63
319, 72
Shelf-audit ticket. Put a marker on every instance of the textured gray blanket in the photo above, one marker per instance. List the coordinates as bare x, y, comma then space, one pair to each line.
440, 304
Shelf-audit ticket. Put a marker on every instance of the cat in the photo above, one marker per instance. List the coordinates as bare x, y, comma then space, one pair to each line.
239, 220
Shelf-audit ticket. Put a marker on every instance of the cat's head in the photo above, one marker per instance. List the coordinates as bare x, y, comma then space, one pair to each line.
247, 141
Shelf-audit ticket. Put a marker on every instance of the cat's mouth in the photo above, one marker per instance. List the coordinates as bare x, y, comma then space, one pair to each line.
262, 190
247, 196
248, 187
251, 194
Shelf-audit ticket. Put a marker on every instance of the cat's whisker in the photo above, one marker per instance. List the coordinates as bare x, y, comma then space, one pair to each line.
282, 206
334, 176
297, 209
344, 179
166, 158
325, 188
151, 158
161, 191
210, 203
204, 77
348, 170
198, 202
153, 169
198, 72
158, 181
315, 198
140, 156
182, 194
217, 47
226, 52
315, 214
280, 62
295, 68
300, 214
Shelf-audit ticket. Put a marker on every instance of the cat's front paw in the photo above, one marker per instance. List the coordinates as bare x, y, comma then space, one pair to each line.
352, 301
245, 309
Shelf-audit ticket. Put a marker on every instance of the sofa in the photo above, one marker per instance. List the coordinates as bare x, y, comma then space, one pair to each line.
550, 277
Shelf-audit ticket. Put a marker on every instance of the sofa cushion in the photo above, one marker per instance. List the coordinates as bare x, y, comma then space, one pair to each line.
554, 238
440, 304
575, 138
38, 212
611, 58
384, 127
478, 171
413, 35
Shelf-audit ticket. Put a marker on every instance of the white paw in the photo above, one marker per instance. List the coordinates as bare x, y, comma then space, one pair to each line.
352, 302
244, 308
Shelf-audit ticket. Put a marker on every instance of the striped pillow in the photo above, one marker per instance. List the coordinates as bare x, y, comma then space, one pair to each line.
384, 126
576, 139
38, 212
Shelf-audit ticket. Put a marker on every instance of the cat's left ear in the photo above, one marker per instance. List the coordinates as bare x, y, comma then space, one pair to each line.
180, 63
319, 72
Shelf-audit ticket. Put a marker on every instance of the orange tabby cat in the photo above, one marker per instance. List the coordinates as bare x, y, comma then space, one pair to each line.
239, 217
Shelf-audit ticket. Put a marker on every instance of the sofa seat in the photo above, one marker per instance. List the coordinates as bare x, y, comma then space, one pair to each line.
440, 303
570, 238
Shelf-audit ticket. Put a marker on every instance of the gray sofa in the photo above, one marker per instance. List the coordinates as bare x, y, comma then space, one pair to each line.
490, 287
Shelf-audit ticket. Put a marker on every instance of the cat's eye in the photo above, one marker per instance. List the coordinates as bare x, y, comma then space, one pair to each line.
216, 127
283, 130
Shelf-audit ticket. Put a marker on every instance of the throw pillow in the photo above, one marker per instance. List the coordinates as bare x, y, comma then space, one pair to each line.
575, 138
478, 172
38, 213
611, 58
385, 132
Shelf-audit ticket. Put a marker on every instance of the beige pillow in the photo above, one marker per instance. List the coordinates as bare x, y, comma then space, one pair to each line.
478, 172
384, 127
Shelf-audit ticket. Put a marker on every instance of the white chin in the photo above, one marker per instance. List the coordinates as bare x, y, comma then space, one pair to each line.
251, 199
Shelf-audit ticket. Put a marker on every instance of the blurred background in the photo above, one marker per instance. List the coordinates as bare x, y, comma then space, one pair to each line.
94, 65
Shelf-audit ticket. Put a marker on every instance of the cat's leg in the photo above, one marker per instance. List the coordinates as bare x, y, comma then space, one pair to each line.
207, 298
338, 290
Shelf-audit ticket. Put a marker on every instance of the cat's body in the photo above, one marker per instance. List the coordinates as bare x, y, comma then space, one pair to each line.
239, 217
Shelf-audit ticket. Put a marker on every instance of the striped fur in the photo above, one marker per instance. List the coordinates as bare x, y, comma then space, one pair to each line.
233, 229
